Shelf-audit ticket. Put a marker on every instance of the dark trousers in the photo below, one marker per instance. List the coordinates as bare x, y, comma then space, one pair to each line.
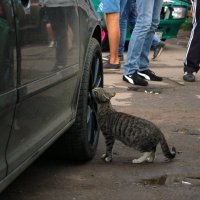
192, 61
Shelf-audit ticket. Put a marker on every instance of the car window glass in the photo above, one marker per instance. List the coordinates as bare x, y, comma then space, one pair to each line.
47, 38
7, 48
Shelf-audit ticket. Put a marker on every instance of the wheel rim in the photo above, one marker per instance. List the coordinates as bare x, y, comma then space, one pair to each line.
95, 81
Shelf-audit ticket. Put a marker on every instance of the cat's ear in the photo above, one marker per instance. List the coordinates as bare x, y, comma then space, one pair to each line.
112, 94
107, 97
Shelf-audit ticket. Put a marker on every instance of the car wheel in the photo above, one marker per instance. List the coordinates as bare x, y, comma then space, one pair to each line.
82, 138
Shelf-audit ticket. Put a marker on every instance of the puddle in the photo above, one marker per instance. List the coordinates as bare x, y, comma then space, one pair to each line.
172, 180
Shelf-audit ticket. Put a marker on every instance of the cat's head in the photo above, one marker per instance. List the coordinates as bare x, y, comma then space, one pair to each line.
101, 95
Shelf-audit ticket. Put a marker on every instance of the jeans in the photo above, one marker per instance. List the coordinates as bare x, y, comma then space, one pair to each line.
141, 39
128, 17
122, 5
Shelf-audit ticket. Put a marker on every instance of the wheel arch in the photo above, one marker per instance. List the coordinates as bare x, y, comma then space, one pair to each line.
97, 34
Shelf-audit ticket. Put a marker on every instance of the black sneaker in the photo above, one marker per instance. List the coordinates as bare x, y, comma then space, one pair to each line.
121, 58
135, 79
149, 75
158, 50
189, 76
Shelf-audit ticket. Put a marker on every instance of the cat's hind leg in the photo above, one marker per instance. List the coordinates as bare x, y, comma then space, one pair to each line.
147, 156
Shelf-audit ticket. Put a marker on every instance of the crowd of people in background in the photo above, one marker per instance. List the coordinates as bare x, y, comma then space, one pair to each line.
143, 16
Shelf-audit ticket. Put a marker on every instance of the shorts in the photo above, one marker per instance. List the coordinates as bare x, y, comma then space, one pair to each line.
109, 6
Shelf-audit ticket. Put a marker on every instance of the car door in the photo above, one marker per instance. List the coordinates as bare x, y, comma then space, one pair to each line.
8, 92
48, 77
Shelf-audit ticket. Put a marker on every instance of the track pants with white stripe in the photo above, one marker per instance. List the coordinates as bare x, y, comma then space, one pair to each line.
192, 60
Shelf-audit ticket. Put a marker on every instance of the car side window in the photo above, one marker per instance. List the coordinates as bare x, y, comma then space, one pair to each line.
47, 38
7, 48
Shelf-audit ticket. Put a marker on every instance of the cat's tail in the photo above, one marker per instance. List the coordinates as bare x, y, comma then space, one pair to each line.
165, 148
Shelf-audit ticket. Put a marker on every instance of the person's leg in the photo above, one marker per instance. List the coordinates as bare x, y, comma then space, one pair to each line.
144, 70
139, 34
132, 17
112, 23
138, 37
123, 28
128, 17
155, 16
111, 10
50, 35
192, 60
58, 23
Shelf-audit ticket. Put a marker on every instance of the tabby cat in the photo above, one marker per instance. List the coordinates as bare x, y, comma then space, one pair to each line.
133, 131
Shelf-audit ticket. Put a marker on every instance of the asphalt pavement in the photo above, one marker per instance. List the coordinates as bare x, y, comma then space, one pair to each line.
173, 105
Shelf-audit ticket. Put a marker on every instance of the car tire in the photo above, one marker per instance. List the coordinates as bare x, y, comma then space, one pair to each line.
79, 143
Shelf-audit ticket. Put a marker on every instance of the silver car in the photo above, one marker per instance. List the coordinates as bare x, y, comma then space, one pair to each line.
50, 60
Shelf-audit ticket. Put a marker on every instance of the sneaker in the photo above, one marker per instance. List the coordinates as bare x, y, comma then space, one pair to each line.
107, 58
121, 58
51, 44
135, 79
149, 75
109, 66
189, 76
158, 50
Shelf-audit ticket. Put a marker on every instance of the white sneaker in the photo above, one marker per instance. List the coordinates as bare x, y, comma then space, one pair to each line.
51, 44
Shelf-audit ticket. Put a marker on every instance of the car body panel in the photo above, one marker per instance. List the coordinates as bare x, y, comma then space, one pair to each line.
17, 171
54, 70
39, 97
8, 93
7, 106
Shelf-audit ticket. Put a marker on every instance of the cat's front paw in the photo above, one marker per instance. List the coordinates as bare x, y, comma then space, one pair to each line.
136, 161
150, 159
106, 158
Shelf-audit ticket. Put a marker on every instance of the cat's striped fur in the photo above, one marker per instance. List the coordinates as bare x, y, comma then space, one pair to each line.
133, 131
